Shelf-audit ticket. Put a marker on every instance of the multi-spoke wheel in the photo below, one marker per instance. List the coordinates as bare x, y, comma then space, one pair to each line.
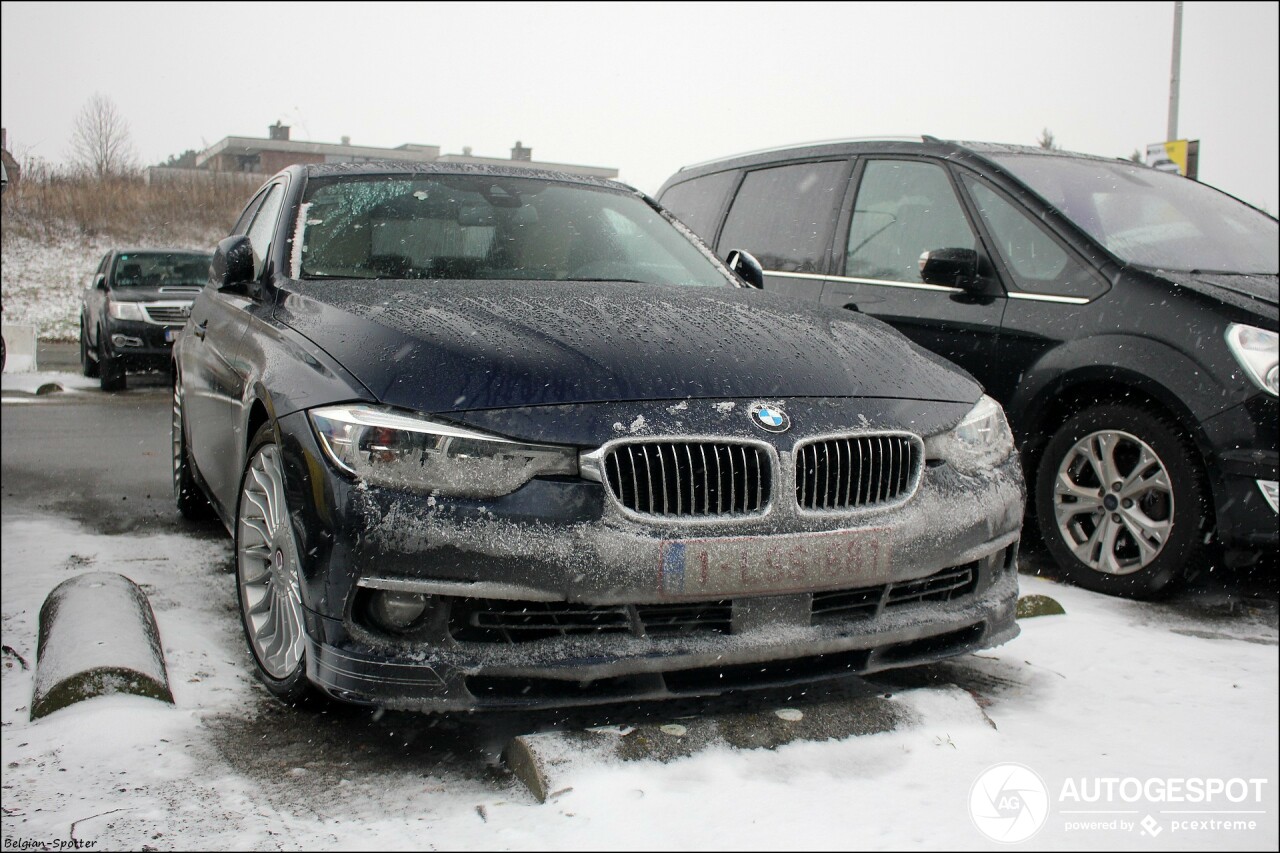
267, 573
186, 493
1121, 501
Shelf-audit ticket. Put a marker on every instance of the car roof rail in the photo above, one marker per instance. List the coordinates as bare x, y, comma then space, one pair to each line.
906, 138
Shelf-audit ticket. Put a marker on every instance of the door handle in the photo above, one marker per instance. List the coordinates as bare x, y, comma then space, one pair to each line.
200, 329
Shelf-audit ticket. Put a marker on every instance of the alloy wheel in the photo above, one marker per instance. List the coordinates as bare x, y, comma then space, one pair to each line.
1113, 502
267, 568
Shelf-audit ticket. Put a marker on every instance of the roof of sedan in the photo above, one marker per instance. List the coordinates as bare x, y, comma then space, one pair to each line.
400, 167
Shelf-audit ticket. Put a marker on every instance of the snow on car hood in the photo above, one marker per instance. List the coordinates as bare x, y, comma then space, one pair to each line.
442, 346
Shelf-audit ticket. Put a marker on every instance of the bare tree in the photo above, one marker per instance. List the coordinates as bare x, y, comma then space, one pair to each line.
1047, 142
100, 142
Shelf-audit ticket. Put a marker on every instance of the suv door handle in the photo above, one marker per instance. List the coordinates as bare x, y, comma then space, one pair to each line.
201, 328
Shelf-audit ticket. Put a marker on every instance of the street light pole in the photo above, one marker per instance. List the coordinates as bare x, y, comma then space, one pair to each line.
1172, 133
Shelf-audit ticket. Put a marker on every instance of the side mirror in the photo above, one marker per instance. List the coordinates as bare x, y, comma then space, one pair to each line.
231, 269
747, 268
951, 268
100, 282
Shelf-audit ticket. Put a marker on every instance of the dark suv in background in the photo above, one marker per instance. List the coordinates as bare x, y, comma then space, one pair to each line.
1125, 317
133, 309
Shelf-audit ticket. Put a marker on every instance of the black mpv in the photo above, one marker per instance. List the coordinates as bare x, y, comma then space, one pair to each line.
1125, 317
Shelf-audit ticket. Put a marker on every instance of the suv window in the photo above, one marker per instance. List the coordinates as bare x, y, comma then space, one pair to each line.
697, 203
903, 209
263, 227
1034, 259
784, 215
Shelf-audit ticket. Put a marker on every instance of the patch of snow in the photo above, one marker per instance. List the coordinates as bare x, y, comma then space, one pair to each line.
1114, 688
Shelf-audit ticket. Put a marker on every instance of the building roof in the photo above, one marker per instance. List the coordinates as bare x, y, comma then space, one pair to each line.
252, 145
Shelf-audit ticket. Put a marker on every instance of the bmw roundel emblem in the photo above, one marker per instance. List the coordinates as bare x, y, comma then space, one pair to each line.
770, 418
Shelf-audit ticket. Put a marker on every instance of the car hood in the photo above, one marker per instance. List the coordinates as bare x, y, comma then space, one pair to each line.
1252, 292
154, 294
453, 346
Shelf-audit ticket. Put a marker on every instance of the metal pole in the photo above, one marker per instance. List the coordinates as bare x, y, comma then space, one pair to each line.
1172, 133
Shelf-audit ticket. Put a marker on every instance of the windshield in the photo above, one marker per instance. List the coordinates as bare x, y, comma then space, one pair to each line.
1153, 218
160, 269
480, 227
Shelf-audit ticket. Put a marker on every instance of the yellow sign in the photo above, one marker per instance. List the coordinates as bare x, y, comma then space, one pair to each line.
1178, 156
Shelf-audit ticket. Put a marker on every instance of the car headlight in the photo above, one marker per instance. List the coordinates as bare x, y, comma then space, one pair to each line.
1258, 352
387, 448
125, 310
981, 439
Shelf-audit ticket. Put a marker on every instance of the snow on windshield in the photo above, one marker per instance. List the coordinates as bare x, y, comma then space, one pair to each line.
483, 228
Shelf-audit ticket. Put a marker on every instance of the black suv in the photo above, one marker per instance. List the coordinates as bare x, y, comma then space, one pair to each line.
133, 309
1125, 317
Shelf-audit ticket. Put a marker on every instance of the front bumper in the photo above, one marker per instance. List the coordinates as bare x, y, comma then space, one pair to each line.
560, 542
140, 345
1243, 455
600, 670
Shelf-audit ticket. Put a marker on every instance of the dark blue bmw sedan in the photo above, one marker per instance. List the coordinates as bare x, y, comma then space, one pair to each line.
494, 437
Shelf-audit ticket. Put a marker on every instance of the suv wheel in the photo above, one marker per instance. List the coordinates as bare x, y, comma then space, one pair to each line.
267, 576
1121, 501
191, 501
110, 370
88, 366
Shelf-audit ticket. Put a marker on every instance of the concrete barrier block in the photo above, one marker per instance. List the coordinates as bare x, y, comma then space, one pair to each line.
1038, 605
544, 761
19, 347
98, 636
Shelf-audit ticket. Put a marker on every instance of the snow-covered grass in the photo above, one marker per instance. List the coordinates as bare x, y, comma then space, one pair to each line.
56, 231
1112, 689
42, 279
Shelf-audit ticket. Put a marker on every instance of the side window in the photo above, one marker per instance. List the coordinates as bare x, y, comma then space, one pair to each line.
903, 209
698, 203
1035, 260
263, 227
784, 215
242, 224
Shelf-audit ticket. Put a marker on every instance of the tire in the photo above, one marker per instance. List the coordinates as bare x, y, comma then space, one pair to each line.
110, 370
267, 580
1141, 539
88, 366
191, 501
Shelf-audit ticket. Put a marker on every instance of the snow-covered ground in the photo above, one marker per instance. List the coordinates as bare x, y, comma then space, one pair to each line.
41, 280
1112, 690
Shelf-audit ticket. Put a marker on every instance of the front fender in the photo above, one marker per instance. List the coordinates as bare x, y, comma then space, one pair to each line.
1194, 390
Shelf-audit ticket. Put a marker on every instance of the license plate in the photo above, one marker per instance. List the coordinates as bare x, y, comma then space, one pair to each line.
751, 565
170, 335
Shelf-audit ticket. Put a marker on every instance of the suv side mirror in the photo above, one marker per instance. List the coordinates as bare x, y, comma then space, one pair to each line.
747, 268
100, 282
231, 269
951, 268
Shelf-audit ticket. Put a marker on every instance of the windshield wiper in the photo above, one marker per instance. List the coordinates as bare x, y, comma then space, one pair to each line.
1228, 272
620, 280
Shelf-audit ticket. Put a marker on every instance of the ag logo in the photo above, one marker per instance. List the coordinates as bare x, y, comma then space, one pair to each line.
769, 418
1009, 803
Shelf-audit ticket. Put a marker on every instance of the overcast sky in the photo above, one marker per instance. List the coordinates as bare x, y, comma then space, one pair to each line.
647, 88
